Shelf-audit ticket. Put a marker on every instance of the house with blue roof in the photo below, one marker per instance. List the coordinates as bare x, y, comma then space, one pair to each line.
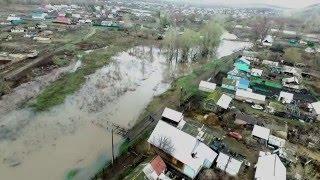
243, 84
242, 64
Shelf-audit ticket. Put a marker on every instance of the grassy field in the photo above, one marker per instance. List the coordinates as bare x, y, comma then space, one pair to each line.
56, 93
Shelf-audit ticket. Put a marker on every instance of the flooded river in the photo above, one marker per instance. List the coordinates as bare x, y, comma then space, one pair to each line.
75, 134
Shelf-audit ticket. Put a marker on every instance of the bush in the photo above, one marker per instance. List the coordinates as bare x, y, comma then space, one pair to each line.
277, 48
61, 62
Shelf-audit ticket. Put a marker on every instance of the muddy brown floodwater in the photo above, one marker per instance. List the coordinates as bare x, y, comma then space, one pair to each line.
74, 135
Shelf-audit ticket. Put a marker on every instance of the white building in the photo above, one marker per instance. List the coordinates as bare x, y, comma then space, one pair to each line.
256, 72
316, 107
270, 63
268, 41
207, 86
185, 149
224, 101
248, 96
270, 167
261, 132
173, 117
228, 164
285, 97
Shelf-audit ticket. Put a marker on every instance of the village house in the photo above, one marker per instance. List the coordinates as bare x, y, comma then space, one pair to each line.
292, 71
42, 39
267, 41
242, 64
184, 152
316, 108
285, 97
243, 84
207, 86
17, 30
156, 169
248, 96
62, 20
270, 63
292, 82
269, 167
224, 101
173, 117
261, 133
228, 164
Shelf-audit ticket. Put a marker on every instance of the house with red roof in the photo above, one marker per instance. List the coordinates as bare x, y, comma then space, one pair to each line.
62, 20
155, 169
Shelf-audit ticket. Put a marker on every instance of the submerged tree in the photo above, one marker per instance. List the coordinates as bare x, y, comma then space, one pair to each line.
170, 41
188, 40
210, 37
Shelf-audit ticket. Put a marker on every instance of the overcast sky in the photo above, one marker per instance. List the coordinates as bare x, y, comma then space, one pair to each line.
283, 3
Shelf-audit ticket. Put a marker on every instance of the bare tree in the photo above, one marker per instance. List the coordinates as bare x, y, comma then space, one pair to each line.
260, 28
164, 143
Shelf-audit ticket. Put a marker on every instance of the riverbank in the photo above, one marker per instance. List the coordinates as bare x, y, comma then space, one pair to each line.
134, 151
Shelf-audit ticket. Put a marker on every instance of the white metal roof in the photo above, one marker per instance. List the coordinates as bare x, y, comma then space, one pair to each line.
172, 115
256, 72
276, 141
207, 86
270, 167
261, 132
250, 95
224, 101
228, 164
184, 145
316, 107
287, 97
271, 63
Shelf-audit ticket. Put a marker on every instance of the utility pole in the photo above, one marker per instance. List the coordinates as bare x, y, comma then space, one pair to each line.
112, 145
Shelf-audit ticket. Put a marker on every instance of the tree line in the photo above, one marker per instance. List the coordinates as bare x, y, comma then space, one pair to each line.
192, 44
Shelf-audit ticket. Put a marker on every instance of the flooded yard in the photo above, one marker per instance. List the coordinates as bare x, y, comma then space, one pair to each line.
76, 134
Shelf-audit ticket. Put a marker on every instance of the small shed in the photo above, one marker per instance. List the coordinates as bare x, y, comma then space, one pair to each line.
285, 97
207, 86
171, 116
276, 141
316, 107
256, 72
261, 132
155, 168
228, 164
268, 41
224, 101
